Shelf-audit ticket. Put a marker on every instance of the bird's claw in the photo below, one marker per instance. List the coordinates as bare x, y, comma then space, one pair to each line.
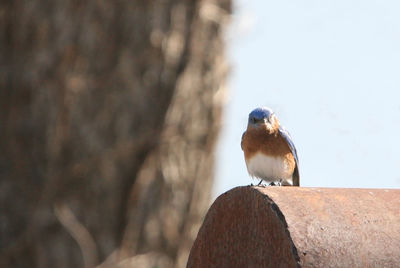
278, 183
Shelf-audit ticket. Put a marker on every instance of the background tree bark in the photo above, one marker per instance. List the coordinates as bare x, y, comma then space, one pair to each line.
109, 116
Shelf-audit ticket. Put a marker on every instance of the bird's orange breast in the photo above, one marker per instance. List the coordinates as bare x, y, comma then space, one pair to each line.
259, 140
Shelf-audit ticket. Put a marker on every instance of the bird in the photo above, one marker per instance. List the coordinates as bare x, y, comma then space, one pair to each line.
269, 151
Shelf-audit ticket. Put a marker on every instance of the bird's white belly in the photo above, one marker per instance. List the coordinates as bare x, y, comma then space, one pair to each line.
270, 169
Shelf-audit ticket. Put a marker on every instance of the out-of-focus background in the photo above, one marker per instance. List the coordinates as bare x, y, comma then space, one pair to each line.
109, 117
330, 70
111, 114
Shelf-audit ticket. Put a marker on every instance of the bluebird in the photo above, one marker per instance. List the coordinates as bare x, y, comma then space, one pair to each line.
269, 151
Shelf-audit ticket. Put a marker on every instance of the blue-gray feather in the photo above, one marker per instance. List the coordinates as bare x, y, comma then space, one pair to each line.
260, 113
285, 134
296, 174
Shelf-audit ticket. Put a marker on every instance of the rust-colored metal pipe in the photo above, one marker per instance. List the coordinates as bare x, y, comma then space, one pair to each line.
300, 227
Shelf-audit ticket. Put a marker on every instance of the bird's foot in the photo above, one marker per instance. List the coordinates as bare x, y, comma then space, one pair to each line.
275, 183
260, 184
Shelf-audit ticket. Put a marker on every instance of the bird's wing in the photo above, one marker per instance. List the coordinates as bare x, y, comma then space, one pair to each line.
285, 134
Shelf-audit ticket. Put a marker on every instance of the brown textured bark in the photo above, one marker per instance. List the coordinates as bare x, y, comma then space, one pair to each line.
109, 115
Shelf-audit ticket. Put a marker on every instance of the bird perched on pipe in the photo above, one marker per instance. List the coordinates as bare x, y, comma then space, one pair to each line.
269, 151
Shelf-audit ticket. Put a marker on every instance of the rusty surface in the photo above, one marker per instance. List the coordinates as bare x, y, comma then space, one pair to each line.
300, 227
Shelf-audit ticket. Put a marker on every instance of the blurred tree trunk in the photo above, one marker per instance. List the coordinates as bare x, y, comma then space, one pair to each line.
109, 114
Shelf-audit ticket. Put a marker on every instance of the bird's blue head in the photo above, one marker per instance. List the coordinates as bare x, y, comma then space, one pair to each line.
263, 117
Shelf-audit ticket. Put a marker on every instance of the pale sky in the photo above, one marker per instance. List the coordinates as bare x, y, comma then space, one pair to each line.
331, 72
